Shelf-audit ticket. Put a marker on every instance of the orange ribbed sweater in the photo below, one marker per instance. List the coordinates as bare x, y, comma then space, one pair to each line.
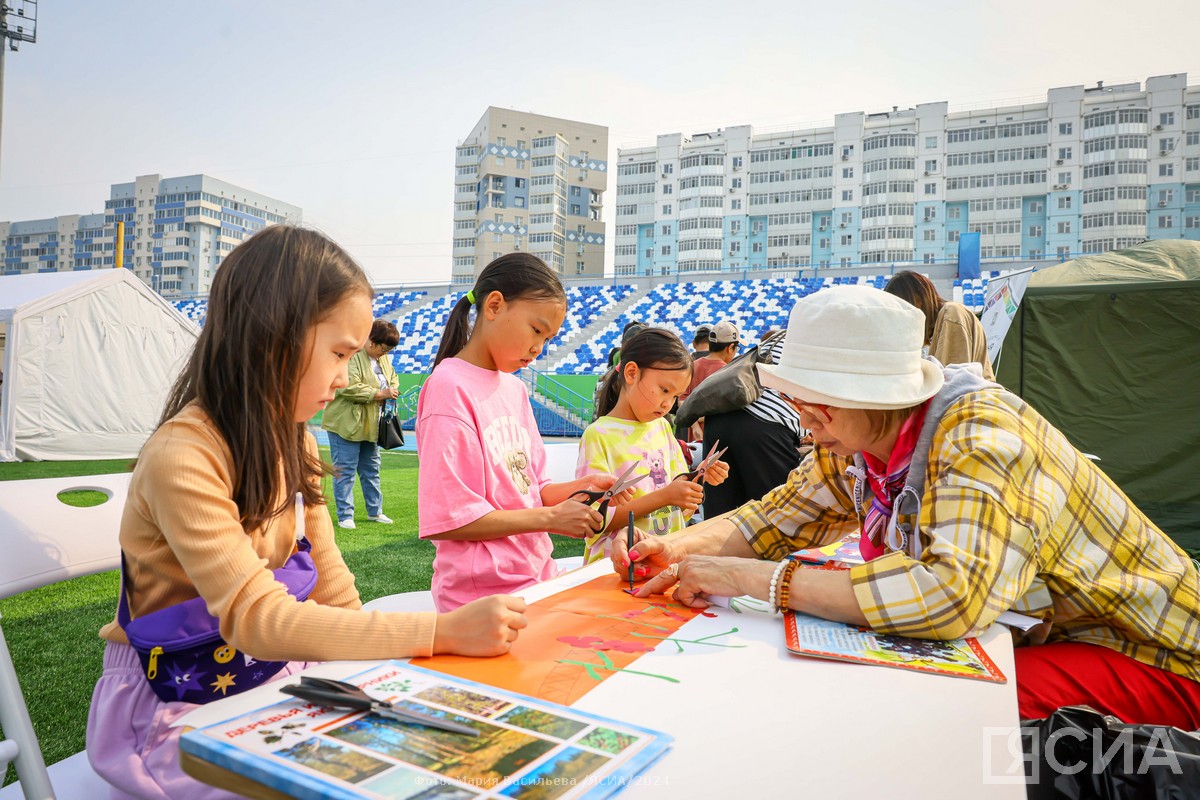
181, 538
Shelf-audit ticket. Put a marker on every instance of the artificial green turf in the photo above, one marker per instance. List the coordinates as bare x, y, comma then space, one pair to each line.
51, 631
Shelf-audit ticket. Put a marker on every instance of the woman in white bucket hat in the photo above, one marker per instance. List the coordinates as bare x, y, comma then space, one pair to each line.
970, 504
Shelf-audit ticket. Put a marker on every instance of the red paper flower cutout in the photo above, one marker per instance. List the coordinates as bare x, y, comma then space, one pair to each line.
627, 647
586, 642
599, 643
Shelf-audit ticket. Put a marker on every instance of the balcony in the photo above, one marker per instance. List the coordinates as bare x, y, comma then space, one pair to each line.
704, 191
702, 169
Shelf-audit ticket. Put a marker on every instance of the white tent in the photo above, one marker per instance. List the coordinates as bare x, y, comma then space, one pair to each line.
88, 360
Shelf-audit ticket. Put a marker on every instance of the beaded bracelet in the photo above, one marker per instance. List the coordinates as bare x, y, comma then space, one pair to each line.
785, 584
775, 582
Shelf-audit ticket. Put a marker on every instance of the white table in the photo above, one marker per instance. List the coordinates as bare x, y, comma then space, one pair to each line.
750, 721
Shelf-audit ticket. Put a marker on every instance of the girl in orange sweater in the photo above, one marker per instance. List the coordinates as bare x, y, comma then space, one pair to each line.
223, 491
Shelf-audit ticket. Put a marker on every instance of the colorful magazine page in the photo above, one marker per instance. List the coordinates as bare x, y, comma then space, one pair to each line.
843, 553
821, 638
526, 748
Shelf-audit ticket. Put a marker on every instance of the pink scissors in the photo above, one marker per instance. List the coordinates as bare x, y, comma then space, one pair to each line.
697, 475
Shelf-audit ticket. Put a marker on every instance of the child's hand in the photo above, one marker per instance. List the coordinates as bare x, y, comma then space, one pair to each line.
484, 627
602, 481
574, 519
687, 495
718, 471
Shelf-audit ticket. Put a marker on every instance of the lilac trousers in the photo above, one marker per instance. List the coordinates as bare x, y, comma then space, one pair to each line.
130, 741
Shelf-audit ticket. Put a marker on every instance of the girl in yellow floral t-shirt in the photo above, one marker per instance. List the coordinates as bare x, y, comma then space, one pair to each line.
633, 428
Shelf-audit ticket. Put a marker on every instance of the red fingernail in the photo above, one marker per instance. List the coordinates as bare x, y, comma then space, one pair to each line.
640, 571
633, 553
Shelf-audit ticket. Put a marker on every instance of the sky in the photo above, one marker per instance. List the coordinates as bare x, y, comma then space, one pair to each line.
352, 110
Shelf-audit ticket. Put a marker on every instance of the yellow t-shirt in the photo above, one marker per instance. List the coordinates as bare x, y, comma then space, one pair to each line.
611, 445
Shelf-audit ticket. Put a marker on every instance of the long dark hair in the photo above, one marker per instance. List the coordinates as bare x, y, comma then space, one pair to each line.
653, 348
245, 369
916, 289
517, 276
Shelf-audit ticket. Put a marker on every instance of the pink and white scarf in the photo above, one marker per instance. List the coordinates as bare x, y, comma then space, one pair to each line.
886, 481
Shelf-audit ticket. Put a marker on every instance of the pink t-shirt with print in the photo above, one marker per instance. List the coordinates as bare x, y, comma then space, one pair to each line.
479, 451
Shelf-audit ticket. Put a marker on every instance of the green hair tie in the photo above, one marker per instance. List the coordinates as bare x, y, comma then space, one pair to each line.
471, 296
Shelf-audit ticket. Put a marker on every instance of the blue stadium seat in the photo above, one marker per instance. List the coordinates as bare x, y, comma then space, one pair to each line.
754, 305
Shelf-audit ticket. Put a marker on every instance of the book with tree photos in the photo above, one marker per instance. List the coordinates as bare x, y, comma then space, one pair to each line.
522, 747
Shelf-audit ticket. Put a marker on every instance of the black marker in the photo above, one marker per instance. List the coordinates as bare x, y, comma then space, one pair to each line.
629, 550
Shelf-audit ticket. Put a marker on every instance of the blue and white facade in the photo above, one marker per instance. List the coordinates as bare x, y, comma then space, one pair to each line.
525, 181
177, 231
1088, 170
56, 244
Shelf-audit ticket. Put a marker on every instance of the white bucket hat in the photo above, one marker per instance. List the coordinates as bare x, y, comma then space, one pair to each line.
854, 347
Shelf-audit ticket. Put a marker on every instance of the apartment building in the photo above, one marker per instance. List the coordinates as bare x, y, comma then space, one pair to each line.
1086, 170
529, 182
176, 232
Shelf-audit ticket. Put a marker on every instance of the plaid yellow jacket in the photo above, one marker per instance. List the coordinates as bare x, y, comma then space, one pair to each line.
1012, 517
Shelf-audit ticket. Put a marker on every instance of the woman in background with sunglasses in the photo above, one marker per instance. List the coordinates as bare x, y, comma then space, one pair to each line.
969, 503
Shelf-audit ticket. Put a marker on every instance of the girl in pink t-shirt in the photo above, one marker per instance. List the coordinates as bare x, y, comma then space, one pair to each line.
482, 495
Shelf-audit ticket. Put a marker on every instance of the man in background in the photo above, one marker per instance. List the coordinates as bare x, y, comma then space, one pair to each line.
700, 341
723, 341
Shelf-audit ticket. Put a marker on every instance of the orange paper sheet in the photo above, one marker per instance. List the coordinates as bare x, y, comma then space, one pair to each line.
595, 617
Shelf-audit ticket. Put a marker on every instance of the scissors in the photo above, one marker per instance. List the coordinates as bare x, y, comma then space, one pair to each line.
697, 475
339, 694
589, 496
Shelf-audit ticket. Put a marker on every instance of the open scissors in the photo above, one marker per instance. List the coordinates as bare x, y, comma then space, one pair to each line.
339, 694
604, 498
697, 475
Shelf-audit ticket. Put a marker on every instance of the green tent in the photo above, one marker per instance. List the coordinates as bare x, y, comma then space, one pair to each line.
1107, 348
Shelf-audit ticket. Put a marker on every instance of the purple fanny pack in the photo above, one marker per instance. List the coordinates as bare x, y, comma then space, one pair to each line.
182, 653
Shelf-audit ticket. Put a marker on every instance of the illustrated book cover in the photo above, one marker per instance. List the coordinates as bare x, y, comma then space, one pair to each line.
822, 638
526, 748
842, 553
